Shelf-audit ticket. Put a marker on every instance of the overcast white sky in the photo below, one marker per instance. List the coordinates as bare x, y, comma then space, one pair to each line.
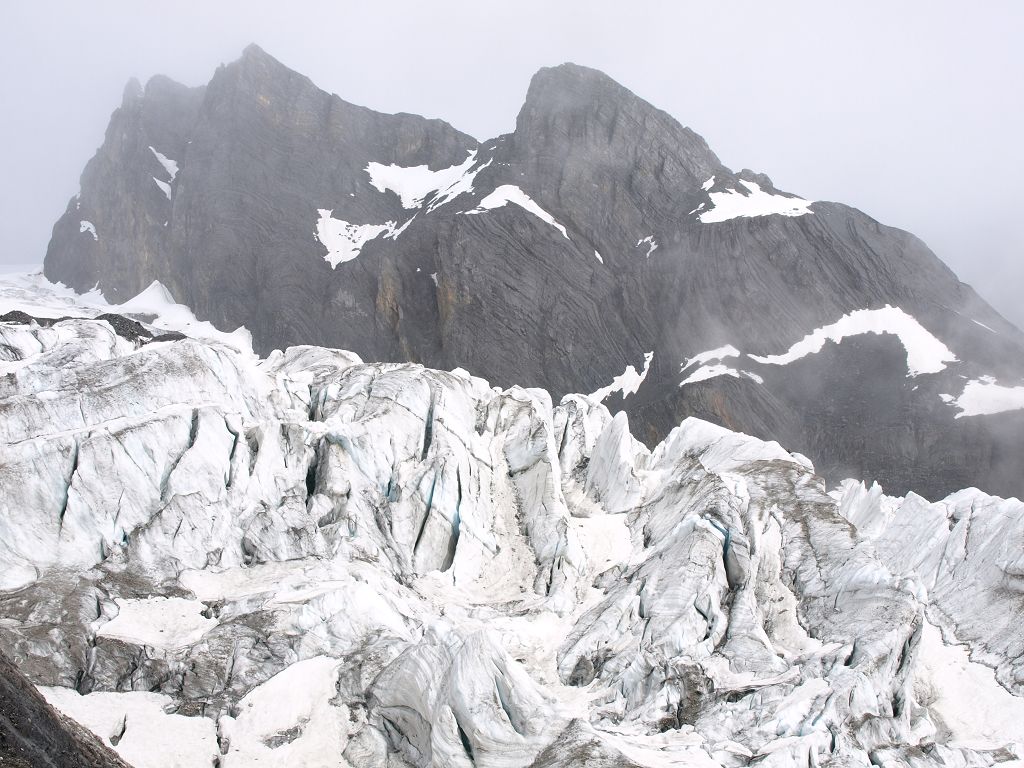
911, 110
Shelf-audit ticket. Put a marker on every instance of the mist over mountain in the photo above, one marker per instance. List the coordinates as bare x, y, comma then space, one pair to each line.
340, 439
601, 246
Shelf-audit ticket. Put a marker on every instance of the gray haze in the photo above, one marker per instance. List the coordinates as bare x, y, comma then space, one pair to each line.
910, 111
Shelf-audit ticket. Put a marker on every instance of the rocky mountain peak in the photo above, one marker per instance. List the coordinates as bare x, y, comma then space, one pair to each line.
600, 245
571, 110
132, 91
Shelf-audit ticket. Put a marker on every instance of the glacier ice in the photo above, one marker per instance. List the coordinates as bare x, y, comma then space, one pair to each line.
312, 560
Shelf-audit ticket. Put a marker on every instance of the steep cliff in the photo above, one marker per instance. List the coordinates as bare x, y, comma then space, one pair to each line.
599, 235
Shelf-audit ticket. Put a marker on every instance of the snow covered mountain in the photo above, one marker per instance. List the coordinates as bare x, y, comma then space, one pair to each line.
215, 559
600, 247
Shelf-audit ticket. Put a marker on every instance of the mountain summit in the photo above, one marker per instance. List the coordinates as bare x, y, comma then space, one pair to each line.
600, 247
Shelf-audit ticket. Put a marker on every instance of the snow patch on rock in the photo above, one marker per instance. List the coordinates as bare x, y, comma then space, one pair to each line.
168, 165
925, 353
710, 366
650, 242
706, 372
88, 226
734, 204
509, 193
981, 397
164, 187
344, 241
627, 382
415, 185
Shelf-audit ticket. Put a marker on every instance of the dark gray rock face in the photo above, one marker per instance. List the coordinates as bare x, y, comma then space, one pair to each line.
33, 734
461, 280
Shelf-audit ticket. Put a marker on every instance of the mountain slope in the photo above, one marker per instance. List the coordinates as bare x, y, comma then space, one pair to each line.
600, 234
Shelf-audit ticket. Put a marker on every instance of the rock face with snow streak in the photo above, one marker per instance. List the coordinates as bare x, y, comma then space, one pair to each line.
559, 255
213, 559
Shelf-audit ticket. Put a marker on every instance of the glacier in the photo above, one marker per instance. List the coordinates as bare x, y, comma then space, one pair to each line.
211, 558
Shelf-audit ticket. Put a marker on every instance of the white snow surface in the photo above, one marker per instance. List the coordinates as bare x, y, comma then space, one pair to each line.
981, 397
712, 355
925, 353
416, 185
734, 204
967, 702
88, 226
344, 240
627, 382
710, 366
168, 623
146, 734
706, 372
406, 567
168, 165
32, 293
509, 193
290, 719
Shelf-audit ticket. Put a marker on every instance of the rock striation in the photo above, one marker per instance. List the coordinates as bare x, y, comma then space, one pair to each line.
599, 237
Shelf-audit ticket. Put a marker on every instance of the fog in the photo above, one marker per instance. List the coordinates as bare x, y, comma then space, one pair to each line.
910, 111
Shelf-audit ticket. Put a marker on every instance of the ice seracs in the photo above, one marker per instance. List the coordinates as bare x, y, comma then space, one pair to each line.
31, 293
308, 558
734, 203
